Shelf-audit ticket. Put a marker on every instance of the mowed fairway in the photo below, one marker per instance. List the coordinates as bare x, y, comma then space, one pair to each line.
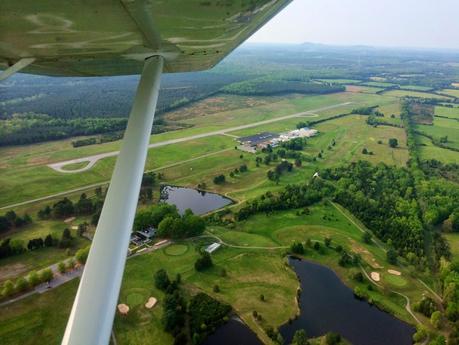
248, 274
254, 264
280, 229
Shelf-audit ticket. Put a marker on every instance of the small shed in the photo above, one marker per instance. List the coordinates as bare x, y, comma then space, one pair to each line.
213, 247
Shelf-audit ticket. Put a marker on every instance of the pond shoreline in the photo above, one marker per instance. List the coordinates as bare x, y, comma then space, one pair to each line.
343, 297
201, 202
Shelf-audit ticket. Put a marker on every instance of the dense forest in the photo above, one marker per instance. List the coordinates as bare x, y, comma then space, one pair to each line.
250, 70
266, 87
103, 96
31, 128
383, 198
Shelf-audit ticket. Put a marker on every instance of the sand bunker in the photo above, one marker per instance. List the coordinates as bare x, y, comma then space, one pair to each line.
375, 276
123, 309
151, 303
394, 272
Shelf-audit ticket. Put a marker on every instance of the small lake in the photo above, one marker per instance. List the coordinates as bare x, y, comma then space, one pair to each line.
327, 305
200, 202
234, 332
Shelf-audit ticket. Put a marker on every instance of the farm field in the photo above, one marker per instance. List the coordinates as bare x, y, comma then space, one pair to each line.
443, 127
403, 93
429, 151
378, 84
451, 92
340, 81
363, 89
452, 113
416, 87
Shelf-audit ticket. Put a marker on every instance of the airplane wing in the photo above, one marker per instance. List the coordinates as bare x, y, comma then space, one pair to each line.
114, 37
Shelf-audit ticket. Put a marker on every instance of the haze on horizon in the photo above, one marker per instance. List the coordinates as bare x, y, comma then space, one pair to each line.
387, 23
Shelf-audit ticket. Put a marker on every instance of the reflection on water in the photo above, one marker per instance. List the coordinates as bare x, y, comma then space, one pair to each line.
200, 202
234, 332
327, 305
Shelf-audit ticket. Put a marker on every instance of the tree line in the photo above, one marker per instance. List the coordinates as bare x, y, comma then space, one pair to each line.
268, 86
189, 320
10, 220
31, 128
168, 222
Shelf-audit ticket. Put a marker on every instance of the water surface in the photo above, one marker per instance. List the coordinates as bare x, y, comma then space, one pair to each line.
200, 202
327, 305
234, 332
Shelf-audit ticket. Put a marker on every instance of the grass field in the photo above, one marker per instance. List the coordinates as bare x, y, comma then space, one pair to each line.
363, 89
75, 166
452, 113
340, 81
378, 84
416, 87
26, 183
404, 93
453, 240
451, 92
24, 175
443, 127
430, 151
19, 265
282, 228
249, 273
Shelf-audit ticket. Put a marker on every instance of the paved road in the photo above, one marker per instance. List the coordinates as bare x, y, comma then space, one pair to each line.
60, 279
91, 160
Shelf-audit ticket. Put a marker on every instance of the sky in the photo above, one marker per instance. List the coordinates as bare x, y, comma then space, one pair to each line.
388, 23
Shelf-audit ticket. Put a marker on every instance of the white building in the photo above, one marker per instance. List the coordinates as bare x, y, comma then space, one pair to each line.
213, 247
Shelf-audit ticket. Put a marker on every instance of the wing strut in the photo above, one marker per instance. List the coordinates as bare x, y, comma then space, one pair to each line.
93, 311
23, 63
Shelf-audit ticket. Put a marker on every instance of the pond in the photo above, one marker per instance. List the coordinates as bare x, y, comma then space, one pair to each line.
234, 332
200, 202
327, 305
